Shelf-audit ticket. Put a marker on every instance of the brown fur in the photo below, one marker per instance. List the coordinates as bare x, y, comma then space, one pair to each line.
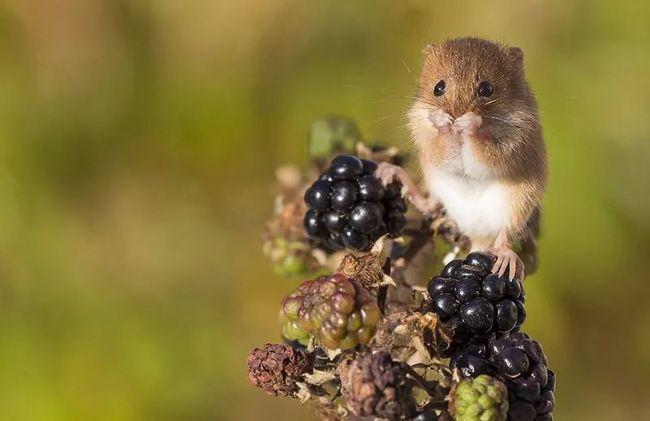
513, 146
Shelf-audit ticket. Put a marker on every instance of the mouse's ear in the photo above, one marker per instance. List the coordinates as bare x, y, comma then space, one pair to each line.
516, 55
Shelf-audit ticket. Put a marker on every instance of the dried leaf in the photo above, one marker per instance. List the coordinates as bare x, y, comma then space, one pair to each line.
303, 394
331, 411
288, 177
421, 350
311, 346
332, 354
320, 256
451, 255
387, 280
381, 247
401, 330
366, 268
319, 377
383, 155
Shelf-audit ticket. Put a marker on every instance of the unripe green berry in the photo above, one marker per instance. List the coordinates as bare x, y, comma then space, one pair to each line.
483, 398
337, 311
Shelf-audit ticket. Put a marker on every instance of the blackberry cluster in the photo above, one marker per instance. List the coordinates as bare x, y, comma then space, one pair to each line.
335, 310
474, 301
350, 208
521, 364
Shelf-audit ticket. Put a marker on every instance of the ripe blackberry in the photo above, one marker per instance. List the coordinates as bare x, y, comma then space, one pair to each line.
482, 398
473, 300
471, 360
350, 208
335, 310
531, 385
521, 364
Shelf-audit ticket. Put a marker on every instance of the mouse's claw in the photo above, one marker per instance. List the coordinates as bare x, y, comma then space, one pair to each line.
388, 173
507, 260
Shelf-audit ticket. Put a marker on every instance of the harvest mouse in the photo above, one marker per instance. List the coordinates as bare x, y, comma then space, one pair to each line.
479, 143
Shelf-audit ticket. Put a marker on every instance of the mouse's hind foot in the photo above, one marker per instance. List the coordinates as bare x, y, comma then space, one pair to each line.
507, 261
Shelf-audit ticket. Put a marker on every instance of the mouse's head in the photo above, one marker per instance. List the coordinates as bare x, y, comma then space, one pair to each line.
471, 74
472, 85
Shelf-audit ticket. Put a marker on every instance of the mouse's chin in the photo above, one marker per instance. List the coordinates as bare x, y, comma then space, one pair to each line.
461, 132
477, 135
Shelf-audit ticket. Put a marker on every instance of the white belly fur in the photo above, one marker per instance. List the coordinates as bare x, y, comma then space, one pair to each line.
481, 206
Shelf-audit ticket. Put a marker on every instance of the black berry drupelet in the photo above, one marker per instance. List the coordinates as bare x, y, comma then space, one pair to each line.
473, 300
350, 208
521, 364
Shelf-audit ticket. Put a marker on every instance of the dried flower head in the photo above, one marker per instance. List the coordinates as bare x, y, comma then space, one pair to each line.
376, 386
276, 368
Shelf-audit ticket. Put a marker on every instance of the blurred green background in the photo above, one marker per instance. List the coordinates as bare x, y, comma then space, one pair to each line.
138, 141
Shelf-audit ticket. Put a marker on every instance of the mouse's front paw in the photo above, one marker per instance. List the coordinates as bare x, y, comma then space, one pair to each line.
389, 173
507, 260
467, 124
441, 121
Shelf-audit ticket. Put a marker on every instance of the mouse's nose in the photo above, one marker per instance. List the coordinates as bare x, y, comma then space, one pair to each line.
458, 110
460, 104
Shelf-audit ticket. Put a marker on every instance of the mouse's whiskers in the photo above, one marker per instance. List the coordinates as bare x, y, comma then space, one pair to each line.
500, 119
494, 101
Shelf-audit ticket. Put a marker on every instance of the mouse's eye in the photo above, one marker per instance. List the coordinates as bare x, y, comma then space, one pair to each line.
439, 89
485, 89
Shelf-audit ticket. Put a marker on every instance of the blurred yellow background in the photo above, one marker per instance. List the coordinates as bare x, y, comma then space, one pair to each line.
138, 141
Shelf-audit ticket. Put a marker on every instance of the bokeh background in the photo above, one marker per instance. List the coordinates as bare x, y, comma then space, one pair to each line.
138, 141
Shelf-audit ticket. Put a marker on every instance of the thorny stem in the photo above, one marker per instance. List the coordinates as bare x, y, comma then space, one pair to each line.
328, 410
433, 388
436, 224
421, 237
439, 367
